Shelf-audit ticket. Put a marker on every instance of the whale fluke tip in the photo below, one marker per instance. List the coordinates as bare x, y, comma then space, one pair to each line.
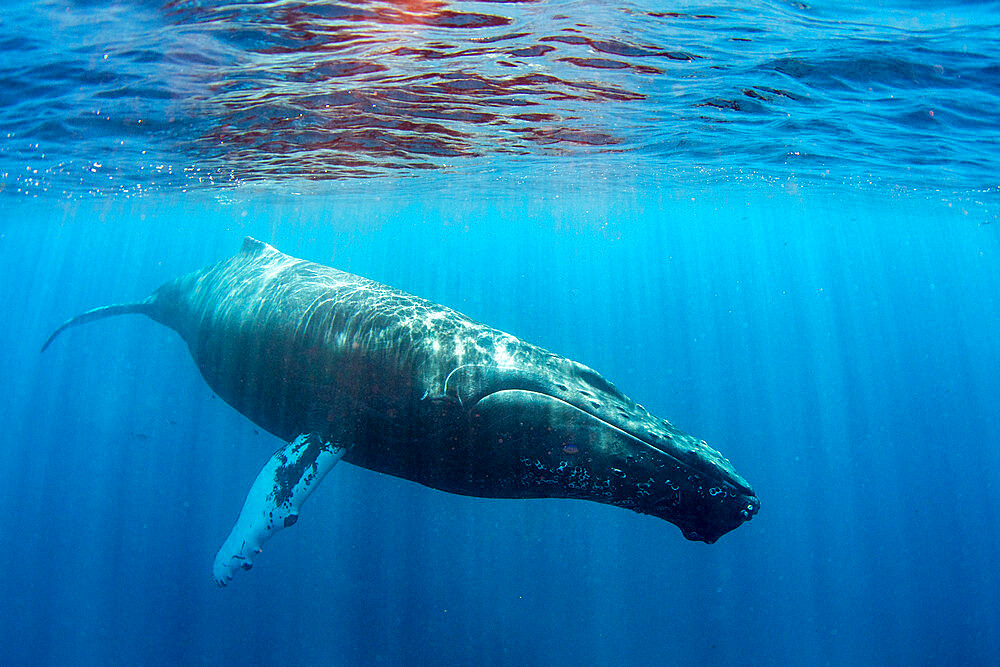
143, 308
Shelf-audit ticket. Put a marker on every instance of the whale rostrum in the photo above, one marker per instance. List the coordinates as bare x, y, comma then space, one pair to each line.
339, 366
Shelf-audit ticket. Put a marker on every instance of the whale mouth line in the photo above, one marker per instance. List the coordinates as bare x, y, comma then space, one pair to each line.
711, 474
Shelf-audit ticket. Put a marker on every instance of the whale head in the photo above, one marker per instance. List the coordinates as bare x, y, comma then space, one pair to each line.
568, 432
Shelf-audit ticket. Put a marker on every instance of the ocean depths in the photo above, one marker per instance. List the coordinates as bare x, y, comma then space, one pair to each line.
774, 223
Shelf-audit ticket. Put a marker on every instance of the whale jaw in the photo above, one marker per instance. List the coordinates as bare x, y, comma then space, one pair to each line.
564, 450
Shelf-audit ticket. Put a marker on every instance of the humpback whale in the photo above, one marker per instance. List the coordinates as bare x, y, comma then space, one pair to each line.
342, 367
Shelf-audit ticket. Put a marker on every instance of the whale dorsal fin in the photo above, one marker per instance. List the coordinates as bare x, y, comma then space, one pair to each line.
252, 246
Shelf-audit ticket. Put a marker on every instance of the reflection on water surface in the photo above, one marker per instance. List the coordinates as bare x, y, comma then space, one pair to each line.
125, 97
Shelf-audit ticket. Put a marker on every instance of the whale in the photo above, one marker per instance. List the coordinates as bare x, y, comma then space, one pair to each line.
340, 367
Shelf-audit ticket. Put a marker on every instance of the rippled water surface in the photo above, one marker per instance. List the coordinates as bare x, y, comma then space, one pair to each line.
131, 96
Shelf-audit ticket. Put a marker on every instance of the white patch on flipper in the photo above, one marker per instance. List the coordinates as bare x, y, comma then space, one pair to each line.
273, 503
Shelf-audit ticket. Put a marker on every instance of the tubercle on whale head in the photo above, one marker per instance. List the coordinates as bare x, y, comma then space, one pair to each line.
575, 435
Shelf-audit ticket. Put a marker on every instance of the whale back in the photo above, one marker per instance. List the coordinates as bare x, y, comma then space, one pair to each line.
296, 345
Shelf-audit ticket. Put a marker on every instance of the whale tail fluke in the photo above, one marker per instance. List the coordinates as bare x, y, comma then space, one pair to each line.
142, 308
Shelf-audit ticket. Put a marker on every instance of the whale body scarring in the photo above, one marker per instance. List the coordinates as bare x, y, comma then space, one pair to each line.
339, 366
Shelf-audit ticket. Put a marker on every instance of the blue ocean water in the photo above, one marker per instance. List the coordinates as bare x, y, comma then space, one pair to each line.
773, 223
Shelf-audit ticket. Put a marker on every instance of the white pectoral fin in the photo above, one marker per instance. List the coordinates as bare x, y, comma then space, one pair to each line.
287, 479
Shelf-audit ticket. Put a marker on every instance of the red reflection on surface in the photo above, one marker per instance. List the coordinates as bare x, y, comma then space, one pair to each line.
356, 87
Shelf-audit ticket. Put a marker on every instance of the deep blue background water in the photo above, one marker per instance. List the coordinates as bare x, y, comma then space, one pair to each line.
841, 353
775, 224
